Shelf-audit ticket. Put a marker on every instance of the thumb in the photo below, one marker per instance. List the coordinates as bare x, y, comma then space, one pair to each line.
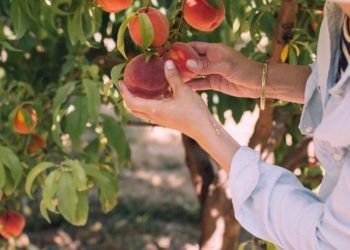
205, 67
172, 76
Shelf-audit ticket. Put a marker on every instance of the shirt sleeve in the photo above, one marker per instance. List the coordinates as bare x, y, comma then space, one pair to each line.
272, 204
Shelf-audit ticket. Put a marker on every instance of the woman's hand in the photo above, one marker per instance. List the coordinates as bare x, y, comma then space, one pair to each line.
225, 70
184, 111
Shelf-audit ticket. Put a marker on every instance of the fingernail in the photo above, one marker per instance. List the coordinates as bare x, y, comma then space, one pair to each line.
169, 65
192, 64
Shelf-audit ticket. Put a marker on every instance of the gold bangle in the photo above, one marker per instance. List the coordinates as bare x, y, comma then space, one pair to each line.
263, 86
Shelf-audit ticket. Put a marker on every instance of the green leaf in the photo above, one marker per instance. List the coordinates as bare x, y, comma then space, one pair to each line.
10, 186
215, 3
267, 24
35, 172
270, 246
243, 245
11, 161
116, 72
2, 176
107, 185
147, 31
292, 56
63, 93
60, 97
75, 28
8, 46
79, 176
116, 138
43, 211
121, 34
77, 119
19, 18
67, 197
50, 188
93, 98
82, 209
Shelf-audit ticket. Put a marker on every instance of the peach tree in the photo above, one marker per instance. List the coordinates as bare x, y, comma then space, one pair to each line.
62, 118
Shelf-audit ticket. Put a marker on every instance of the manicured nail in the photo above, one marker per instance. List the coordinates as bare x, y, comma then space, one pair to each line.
169, 65
192, 64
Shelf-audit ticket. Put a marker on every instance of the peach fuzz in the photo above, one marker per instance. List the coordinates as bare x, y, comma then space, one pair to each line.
146, 79
20, 125
179, 53
114, 6
160, 27
11, 224
201, 15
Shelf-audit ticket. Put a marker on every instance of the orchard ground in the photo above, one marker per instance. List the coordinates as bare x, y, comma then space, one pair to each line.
157, 207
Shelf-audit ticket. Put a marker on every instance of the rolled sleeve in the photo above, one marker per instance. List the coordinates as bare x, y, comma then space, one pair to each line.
272, 204
244, 175
312, 110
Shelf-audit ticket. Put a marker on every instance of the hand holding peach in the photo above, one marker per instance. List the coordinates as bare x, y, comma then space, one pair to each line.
186, 112
181, 112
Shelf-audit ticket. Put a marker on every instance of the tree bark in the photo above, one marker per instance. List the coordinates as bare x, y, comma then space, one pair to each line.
219, 229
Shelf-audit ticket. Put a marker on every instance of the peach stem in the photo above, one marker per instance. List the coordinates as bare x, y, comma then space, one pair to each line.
181, 19
148, 5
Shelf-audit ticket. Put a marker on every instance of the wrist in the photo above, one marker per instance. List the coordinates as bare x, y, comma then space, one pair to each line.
214, 139
252, 77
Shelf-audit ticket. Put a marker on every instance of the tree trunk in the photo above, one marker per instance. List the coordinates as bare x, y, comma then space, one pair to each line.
219, 229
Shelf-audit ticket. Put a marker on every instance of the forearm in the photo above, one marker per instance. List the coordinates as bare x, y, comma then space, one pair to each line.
213, 138
287, 82
284, 82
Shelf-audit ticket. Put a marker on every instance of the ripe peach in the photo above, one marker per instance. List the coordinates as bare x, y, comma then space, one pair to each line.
113, 6
11, 224
201, 15
20, 124
160, 27
146, 79
179, 53
36, 144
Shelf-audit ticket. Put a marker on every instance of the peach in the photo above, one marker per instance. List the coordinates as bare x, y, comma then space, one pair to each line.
179, 53
146, 79
113, 6
201, 15
11, 224
160, 27
36, 144
20, 124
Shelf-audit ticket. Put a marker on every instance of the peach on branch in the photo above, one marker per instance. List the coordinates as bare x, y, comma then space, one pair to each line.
204, 16
36, 144
25, 120
179, 53
11, 224
113, 6
159, 23
146, 79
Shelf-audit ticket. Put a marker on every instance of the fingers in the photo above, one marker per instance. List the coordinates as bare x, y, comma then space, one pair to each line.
137, 104
205, 67
211, 82
172, 76
199, 84
200, 47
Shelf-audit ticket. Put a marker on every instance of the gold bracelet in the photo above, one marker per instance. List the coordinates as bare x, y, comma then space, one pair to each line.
263, 86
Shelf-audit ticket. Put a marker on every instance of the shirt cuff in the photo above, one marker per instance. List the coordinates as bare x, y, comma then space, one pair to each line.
244, 174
